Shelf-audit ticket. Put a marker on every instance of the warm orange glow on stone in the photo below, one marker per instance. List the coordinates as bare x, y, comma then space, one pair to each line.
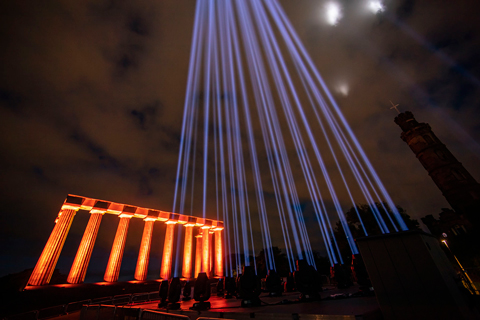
144, 254
198, 254
116, 255
187, 253
82, 258
48, 259
205, 251
204, 246
218, 254
166, 269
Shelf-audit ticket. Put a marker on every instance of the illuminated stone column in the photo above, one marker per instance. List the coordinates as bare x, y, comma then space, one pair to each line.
187, 252
42, 273
166, 270
82, 258
144, 254
206, 251
116, 255
198, 254
218, 254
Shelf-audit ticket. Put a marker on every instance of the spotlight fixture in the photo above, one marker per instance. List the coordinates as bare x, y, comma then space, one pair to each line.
187, 291
201, 292
174, 294
273, 284
249, 288
360, 272
307, 281
341, 276
289, 285
229, 287
220, 286
163, 293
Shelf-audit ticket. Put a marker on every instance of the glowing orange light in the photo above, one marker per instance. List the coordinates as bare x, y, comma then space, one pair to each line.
115, 208
82, 258
88, 204
218, 254
42, 273
198, 255
47, 261
116, 255
70, 207
187, 253
165, 271
205, 251
163, 216
144, 254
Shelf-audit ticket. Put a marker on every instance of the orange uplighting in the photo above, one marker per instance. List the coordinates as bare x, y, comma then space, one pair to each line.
76, 202
70, 207
187, 253
115, 208
204, 259
116, 255
183, 219
144, 254
88, 204
165, 271
42, 273
198, 254
218, 254
200, 222
82, 258
163, 216
205, 251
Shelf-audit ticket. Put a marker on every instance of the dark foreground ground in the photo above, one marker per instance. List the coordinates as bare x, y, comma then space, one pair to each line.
39, 297
335, 303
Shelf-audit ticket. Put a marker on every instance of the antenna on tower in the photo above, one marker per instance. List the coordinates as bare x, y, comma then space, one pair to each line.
394, 106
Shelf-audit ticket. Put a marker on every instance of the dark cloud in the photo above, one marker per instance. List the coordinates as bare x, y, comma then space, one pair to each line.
10, 99
405, 9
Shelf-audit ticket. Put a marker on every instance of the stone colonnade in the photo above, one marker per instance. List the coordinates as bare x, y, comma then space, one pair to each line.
206, 258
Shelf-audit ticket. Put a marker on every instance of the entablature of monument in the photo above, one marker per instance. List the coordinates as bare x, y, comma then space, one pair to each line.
75, 202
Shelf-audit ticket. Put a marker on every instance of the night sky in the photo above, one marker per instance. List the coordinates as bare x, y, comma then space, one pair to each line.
92, 93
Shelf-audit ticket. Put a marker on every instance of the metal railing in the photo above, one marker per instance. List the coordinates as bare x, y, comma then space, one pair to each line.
55, 311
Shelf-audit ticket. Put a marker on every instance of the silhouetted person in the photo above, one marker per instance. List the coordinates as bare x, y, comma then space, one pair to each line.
273, 284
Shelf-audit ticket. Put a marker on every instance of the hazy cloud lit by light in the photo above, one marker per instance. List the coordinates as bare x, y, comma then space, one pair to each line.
333, 13
376, 6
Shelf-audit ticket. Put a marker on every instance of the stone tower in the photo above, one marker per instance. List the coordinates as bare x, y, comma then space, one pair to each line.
460, 189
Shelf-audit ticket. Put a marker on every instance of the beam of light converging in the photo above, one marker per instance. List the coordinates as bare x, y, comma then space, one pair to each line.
264, 126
